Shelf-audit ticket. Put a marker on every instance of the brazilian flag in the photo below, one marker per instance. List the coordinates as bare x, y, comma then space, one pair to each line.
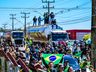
55, 58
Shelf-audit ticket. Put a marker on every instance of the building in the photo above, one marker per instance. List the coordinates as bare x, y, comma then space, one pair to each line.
77, 34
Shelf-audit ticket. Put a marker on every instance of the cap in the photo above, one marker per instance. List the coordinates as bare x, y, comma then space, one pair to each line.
66, 61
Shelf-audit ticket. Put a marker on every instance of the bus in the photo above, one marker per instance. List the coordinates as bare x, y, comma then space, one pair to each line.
17, 38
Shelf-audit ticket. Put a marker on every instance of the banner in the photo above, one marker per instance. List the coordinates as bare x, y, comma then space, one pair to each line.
55, 58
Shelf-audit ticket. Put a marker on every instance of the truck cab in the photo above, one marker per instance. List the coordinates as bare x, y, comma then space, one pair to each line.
58, 35
17, 38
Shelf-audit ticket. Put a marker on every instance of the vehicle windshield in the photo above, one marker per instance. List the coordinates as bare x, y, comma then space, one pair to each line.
17, 34
59, 36
18, 42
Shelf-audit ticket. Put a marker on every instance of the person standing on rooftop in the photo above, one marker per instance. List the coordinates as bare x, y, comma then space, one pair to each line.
34, 21
39, 20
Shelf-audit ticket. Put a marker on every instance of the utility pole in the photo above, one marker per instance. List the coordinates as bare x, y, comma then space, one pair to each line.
48, 5
93, 35
12, 17
4, 25
4, 28
25, 17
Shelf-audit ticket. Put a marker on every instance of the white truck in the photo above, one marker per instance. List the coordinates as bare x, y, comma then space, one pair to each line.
53, 33
58, 35
17, 38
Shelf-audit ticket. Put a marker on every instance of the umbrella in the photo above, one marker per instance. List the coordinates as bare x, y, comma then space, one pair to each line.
72, 62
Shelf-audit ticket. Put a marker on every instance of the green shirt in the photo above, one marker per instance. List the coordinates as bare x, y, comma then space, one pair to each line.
66, 69
30, 41
30, 70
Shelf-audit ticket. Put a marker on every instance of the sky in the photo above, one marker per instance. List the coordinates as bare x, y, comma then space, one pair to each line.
70, 14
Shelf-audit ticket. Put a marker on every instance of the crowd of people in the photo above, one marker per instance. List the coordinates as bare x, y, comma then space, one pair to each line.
32, 56
48, 19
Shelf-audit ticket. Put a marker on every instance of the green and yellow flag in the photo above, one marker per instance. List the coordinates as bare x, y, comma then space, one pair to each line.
55, 58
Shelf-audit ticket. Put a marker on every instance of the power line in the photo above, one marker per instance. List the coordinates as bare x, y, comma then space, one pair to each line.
74, 16
62, 1
38, 13
78, 19
12, 17
78, 7
75, 21
18, 8
18, 21
64, 23
48, 5
84, 4
25, 17
12, 8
